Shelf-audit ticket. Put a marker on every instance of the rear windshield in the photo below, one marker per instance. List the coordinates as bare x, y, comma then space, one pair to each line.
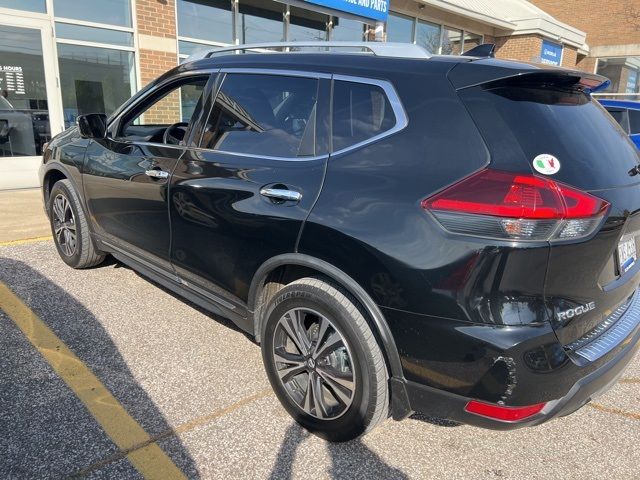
521, 122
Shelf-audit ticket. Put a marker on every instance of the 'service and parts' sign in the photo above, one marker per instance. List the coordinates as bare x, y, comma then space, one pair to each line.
12, 79
551, 53
373, 9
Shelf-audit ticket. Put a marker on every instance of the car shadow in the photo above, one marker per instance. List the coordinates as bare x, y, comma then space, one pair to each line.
46, 432
348, 460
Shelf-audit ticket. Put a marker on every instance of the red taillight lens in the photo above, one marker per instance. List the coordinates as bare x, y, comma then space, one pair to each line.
500, 412
513, 206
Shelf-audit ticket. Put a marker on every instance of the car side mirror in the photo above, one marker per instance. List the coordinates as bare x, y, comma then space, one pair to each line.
92, 125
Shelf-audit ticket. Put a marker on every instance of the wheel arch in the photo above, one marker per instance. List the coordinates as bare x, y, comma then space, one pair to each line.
54, 172
318, 266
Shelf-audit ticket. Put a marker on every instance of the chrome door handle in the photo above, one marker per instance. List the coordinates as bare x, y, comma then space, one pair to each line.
281, 194
156, 173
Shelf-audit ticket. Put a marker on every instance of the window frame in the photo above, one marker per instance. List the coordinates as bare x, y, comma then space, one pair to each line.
153, 94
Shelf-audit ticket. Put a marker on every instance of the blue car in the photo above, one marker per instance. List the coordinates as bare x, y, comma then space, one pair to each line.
627, 114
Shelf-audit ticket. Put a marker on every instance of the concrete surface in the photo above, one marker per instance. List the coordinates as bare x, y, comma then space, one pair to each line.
22, 215
197, 386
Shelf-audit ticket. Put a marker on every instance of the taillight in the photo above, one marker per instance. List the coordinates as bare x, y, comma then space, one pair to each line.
501, 412
513, 206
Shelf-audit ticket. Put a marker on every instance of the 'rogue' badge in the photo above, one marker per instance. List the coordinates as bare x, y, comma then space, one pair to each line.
574, 312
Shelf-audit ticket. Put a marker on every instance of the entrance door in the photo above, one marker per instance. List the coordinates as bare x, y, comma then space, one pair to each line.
29, 105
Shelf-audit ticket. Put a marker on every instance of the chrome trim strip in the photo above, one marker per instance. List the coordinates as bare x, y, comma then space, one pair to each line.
209, 295
610, 333
264, 157
275, 71
396, 105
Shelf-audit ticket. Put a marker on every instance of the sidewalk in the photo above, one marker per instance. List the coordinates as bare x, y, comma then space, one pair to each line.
22, 215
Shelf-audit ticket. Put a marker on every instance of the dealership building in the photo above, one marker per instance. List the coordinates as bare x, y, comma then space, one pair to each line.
62, 58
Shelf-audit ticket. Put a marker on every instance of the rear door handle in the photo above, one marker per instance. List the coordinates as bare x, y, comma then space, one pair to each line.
156, 173
281, 194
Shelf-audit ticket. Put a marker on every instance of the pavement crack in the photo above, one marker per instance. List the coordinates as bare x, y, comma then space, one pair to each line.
617, 411
182, 428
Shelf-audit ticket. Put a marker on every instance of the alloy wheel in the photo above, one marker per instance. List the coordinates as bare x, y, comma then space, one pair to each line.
313, 363
64, 225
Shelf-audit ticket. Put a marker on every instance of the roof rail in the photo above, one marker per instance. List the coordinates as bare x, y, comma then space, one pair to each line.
379, 49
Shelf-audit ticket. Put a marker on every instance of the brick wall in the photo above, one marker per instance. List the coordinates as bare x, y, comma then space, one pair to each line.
156, 21
156, 17
610, 22
521, 47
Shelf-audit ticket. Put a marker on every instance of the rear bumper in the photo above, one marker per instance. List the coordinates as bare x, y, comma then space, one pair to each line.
442, 404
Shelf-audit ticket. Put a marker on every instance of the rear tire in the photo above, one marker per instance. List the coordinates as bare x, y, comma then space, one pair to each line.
333, 342
70, 228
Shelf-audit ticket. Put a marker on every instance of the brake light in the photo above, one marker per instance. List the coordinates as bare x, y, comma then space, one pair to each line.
507, 205
501, 412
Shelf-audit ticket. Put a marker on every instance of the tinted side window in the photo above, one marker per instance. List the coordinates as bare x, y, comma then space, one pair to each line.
271, 115
634, 121
360, 112
620, 116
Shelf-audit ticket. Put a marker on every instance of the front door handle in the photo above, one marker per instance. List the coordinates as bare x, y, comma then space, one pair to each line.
281, 194
154, 173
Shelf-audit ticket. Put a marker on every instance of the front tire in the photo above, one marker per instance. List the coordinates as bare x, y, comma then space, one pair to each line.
70, 229
323, 360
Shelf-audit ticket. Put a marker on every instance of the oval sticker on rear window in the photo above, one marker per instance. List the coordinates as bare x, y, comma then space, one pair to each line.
546, 164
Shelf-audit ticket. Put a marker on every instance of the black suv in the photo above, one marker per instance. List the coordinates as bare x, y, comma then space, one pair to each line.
401, 233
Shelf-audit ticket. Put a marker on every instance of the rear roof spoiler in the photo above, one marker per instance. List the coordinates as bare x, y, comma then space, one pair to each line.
486, 50
503, 72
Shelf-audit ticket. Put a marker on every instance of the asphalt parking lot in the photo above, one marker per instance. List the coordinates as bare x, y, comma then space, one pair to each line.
104, 374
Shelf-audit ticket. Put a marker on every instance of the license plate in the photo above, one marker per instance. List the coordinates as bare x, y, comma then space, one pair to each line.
626, 254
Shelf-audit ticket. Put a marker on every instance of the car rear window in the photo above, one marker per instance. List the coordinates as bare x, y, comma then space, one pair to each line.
523, 122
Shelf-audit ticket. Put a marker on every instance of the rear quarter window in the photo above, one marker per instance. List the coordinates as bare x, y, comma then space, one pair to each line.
361, 111
521, 122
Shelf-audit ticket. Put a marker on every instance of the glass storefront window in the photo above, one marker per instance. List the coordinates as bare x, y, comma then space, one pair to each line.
261, 22
471, 40
399, 28
451, 42
94, 80
210, 20
347, 30
92, 34
112, 12
24, 114
306, 25
189, 48
38, 6
428, 36
624, 73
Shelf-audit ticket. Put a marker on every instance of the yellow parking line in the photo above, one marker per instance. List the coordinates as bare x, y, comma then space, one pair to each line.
125, 432
25, 240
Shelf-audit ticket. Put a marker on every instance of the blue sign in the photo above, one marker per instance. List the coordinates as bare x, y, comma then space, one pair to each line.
551, 53
373, 9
